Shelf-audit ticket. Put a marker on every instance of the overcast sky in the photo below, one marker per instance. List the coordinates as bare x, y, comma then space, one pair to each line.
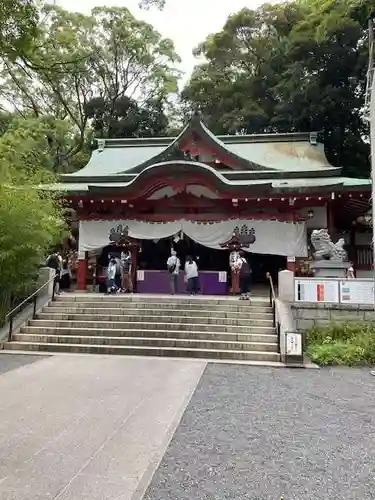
187, 22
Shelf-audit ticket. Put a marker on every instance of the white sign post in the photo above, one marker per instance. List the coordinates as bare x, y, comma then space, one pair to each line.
293, 348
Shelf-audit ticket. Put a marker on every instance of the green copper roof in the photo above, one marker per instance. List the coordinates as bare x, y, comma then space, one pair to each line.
266, 163
261, 153
113, 160
286, 156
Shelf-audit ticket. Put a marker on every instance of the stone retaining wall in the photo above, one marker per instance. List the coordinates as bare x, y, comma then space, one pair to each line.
309, 315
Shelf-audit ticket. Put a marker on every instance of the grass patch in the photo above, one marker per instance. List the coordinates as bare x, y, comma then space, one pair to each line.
342, 344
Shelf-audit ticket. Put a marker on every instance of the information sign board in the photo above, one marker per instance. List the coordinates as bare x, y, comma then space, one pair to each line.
323, 291
357, 292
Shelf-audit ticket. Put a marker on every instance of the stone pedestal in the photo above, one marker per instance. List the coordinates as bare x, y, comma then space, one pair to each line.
286, 286
329, 268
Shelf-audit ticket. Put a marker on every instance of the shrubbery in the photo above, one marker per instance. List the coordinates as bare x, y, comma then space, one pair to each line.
31, 220
342, 344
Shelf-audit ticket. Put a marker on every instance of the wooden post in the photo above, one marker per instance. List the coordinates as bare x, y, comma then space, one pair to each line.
235, 278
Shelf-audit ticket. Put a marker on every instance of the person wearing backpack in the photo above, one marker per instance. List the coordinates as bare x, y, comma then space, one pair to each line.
173, 266
54, 261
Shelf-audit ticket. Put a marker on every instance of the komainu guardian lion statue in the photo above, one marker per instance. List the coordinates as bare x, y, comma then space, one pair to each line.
325, 249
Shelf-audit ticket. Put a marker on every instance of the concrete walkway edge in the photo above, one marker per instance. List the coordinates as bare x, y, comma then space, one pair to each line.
158, 456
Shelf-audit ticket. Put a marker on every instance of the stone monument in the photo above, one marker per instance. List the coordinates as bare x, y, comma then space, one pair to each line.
330, 259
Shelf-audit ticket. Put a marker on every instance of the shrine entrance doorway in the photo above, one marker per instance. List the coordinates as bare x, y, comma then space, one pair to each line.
154, 254
153, 277
261, 264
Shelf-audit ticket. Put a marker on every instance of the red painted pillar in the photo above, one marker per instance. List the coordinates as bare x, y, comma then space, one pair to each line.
235, 282
290, 264
291, 259
82, 272
330, 218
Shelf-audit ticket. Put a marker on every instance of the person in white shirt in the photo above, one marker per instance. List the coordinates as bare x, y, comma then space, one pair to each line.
173, 266
191, 272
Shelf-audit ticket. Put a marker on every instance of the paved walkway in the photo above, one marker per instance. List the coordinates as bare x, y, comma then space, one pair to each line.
87, 427
97, 427
266, 434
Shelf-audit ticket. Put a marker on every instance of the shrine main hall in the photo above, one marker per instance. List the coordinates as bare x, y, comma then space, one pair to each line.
194, 192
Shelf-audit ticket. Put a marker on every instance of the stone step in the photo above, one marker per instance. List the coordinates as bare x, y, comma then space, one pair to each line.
184, 306
150, 325
237, 355
249, 336
150, 342
251, 313
235, 321
163, 299
86, 330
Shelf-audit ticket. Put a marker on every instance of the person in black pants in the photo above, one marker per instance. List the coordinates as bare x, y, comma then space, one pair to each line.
54, 262
245, 276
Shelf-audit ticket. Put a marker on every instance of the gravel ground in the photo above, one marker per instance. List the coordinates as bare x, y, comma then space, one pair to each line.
267, 434
10, 362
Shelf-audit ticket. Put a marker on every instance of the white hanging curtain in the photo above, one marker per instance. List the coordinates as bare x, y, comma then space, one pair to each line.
95, 234
272, 237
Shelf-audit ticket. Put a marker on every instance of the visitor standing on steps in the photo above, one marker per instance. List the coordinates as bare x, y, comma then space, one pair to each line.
126, 260
173, 266
245, 276
54, 261
66, 276
111, 276
118, 277
191, 272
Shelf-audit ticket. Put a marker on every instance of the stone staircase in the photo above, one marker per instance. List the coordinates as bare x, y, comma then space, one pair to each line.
197, 327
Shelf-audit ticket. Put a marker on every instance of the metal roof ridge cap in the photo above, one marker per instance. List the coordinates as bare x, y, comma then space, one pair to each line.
115, 139
266, 138
135, 142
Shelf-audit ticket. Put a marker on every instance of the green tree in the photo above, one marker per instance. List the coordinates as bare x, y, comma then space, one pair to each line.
234, 88
127, 119
30, 220
18, 26
109, 55
43, 143
298, 66
29, 225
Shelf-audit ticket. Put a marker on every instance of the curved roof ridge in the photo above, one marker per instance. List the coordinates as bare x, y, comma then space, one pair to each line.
196, 125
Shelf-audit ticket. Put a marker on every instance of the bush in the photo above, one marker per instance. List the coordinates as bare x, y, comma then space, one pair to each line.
342, 344
31, 219
30, 223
